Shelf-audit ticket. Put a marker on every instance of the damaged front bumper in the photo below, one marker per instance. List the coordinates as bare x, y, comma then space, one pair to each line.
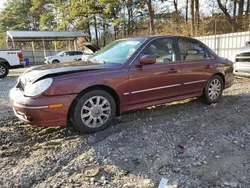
41, 111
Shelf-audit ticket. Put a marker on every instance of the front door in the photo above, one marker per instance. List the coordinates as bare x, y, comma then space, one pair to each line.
198, 65
157, 81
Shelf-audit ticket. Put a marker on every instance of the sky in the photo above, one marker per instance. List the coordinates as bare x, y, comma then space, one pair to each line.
1, 4
205, 6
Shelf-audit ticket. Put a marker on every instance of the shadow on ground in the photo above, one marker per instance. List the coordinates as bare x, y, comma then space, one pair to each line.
139, 149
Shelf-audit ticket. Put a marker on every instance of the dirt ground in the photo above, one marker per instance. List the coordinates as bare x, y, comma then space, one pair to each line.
138, 150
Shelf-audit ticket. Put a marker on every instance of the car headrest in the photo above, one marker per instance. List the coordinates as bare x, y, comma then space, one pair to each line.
192, 52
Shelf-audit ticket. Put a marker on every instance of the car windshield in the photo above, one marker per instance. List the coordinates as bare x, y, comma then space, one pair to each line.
117, 52
60, 53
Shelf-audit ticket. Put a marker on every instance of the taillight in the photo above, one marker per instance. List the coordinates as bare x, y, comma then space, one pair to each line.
20, 56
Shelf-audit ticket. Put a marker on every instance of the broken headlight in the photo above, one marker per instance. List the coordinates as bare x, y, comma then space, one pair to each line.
37, 88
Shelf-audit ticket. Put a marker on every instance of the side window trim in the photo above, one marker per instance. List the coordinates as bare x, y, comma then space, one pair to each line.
204, 47
174, 48
194, 41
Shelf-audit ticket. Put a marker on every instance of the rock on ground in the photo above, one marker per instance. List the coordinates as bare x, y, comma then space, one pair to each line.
138, 150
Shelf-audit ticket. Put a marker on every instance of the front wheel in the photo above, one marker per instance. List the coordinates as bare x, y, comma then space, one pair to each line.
93, 111
55, 61
4, 70
213, 90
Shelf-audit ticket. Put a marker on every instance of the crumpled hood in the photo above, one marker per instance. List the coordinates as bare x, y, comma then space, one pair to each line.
37, 72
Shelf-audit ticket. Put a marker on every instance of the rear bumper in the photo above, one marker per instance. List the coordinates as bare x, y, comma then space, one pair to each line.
17, 66
37, 111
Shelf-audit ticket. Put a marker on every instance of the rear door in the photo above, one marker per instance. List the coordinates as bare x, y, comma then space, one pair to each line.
79, 55
72, 56
198, 65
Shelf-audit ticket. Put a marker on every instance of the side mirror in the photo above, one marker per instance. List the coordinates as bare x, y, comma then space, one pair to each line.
147, 59
61, 55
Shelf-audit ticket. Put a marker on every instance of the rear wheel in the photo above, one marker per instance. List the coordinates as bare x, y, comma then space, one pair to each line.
213, 90
4, 70
55, 61
93, 112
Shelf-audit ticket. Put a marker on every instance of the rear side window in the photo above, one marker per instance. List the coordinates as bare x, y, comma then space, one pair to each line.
79, 53
192, 50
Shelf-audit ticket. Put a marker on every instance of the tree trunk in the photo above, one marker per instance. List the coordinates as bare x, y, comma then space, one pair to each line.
104, 32
151, 16
115, 32
235, 6
197, 15
241, 7
176, 16
224, 10
186, 11
248, 7
88, 30
192, 15
96, 33
129, 21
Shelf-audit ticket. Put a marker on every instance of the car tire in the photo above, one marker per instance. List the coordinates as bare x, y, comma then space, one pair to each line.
213, 90
93, 111
4, 70
55, 61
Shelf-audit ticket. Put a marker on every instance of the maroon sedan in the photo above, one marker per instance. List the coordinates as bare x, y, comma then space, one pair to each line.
125, 75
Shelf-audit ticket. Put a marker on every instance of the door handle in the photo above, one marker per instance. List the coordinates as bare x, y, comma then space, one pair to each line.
208, 66
172, 70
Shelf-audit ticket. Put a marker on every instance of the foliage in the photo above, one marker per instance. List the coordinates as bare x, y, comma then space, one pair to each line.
106, 20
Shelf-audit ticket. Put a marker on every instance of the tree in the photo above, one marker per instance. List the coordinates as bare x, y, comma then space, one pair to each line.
241, 8
186, 11
15, 16
197, 14
192, 16
151, 17
248, 7
226, 13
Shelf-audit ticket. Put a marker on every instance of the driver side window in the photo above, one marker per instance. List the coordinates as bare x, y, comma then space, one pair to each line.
163, 49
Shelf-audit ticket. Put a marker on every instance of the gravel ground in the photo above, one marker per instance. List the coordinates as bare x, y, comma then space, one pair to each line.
137, 151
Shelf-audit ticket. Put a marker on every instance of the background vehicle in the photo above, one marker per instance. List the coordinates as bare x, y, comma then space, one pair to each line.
242, 61
64, 56
69, 56
125, 75
10, 59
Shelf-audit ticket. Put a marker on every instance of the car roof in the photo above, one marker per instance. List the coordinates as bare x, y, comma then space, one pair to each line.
156, 36
71, 51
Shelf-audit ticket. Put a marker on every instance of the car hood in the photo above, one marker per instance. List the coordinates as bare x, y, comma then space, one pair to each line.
37, 72
51, 57
243, 49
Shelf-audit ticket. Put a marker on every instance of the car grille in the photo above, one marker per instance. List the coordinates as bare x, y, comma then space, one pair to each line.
243, 54
243, 57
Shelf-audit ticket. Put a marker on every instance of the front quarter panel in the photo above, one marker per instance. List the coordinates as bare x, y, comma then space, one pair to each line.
77, 82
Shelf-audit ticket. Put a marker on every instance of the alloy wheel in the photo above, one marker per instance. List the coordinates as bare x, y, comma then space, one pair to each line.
95, 111
2, 70
214, 89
